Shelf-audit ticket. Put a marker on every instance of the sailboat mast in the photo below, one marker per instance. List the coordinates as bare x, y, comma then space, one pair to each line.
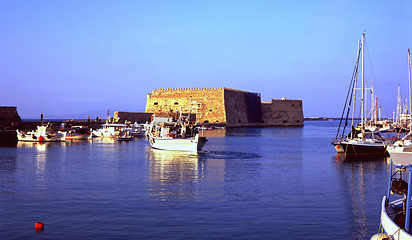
355, 85
363, 87
409, 70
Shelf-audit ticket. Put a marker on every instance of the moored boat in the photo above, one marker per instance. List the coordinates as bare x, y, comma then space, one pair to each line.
175, 136
42, 134
359, 141
78, 133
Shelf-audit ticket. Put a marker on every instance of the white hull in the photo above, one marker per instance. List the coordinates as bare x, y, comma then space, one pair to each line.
34, 137
389, 226
177, 144
401, 152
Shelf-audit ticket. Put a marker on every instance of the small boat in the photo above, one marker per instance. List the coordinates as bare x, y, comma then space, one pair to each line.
124, 136
109, 130
175, 136
396, 213
78, 133
42, 134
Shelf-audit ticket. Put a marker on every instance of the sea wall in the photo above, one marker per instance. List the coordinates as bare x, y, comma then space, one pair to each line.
282, 112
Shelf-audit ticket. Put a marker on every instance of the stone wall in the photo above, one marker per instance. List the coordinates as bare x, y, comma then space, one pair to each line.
282, 112
9, 114
207, 103
235, 108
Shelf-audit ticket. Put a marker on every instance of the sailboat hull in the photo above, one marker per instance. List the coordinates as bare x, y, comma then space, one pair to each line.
360, 148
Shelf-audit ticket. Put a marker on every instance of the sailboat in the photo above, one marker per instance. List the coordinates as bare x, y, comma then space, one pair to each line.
358, 141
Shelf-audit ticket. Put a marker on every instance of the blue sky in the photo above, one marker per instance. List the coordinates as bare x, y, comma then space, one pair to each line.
69, 57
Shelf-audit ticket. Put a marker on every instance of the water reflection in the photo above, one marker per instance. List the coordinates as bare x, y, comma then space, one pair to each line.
40, 146
174, 175
356, 173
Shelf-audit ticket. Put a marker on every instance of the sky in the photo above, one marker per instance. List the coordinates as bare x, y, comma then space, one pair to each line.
72, 58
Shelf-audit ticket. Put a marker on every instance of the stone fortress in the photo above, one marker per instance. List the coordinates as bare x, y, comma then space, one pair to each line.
225, 106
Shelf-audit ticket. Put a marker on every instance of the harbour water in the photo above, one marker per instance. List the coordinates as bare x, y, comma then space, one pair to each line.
252, 183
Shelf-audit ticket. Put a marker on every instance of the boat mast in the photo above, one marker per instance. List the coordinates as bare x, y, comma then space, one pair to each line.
363, 87
410, 108
355, 85
398, 107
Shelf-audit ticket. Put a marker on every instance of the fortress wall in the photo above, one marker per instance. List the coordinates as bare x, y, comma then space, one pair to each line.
206, 103
9, 114
236, 107
283, 113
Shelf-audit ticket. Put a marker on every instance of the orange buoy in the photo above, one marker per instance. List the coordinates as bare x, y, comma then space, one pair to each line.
39, 226
41, 138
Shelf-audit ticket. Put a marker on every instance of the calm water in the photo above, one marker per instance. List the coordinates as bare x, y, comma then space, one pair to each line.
271, 183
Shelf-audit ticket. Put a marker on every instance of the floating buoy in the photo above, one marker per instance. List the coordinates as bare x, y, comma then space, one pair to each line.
41, 139
39, 226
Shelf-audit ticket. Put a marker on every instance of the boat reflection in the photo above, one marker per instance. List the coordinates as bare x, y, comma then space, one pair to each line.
355, 158
41, 146
173, 174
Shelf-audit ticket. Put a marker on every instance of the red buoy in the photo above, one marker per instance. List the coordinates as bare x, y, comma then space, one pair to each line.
39, 226
41, 138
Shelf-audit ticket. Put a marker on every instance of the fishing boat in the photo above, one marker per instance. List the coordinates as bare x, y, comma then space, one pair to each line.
359, 141
109, 130
42, 134
180, 135
395, 220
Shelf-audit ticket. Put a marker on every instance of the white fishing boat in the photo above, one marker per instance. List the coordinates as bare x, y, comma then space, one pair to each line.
109, 130
42, 134
175, 136
359, 141
395, 220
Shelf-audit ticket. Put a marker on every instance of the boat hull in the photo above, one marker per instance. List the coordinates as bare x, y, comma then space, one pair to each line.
178, 144
360, 148
389, 226
77, 136
401, 158
31, 137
